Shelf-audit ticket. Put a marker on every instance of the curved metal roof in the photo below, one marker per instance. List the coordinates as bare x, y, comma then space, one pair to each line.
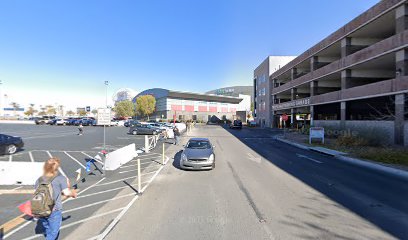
160, 93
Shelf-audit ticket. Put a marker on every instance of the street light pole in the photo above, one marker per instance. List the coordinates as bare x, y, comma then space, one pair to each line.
106, 107
1, 99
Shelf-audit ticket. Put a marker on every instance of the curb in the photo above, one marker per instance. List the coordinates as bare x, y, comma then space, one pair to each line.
402, 174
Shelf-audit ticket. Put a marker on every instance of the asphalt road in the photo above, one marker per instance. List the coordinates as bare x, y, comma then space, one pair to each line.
264, 189
42, 142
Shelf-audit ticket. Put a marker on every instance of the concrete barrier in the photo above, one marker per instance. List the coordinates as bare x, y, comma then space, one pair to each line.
20, 173
119, 157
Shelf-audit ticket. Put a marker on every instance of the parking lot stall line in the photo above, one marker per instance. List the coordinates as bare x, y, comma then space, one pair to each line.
99, 202
75, 160
115, 181
31, 221
93, 158
109, 190
10, 158
31, 156
78, 222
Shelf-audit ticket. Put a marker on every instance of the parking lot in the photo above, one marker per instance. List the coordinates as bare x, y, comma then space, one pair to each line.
101, 197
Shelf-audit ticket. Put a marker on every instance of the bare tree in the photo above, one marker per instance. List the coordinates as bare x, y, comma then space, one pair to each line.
387, 112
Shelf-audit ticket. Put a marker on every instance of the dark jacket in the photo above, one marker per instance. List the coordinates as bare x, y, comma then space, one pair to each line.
176, 132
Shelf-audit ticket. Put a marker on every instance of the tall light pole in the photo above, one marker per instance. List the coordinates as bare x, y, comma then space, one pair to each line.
1, 99
106, 107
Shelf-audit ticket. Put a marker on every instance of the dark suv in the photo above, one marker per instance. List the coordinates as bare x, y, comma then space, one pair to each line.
143, 129
236, 124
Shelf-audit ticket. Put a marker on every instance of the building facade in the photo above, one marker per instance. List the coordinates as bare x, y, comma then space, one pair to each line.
262, 98
246, 93
192, 106
357, 77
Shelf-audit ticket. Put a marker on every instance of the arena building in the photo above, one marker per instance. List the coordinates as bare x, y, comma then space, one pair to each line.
191, 106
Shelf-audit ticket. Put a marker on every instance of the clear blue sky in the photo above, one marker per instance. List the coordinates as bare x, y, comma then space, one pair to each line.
58, 48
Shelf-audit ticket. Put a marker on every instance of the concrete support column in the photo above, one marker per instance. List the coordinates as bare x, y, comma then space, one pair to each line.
314, 61
311, 116
293, 93
272, 119
401, 18
345, 47
274, 82
293, 73
292, 116
343, 114
399, 119
345, 79
313, 88
402, 62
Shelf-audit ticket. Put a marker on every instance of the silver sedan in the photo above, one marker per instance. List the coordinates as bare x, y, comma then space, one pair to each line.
198, 154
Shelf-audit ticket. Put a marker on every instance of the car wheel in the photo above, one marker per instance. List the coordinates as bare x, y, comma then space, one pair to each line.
11, 149
134, 132
64, 124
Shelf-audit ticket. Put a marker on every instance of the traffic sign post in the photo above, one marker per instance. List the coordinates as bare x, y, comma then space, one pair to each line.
284, 119
104, 118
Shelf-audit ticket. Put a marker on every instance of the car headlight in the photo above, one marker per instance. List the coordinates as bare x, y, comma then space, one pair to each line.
211, 158
183, 157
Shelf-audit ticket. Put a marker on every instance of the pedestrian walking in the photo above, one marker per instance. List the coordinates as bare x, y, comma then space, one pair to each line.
81, 129
176, 135
46, 204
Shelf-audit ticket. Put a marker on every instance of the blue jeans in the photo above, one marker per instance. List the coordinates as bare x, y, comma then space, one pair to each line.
52, 225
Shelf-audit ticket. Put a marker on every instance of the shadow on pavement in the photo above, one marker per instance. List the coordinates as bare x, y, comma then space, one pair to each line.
349, 186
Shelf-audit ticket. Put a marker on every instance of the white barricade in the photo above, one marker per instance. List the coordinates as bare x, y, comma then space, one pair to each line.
120, 156
21, 173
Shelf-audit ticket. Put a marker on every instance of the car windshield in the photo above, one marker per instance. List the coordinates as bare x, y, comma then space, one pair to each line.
199, 144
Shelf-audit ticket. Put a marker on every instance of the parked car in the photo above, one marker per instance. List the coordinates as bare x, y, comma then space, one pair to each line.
198, 154
236, 124
43, 120
71, 121
61, 121
10, 144
143, 129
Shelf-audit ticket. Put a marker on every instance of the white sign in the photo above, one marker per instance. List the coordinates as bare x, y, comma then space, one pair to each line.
316, 132
104, 116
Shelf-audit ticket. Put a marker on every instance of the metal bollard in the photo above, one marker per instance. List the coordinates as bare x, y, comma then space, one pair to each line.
163, 155
139, 177
146, 144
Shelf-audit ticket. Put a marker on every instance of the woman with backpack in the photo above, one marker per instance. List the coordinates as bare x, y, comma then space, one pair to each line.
46, 205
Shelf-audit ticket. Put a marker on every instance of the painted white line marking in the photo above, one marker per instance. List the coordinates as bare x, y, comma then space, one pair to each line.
134, 165
10, 158
99, 202
15, 189
78, 222
308, 158
135, 170
109, 190
253, 158
92, 158
31, 156
75, 160
28, 222
119, 180
117, 219
49, 154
